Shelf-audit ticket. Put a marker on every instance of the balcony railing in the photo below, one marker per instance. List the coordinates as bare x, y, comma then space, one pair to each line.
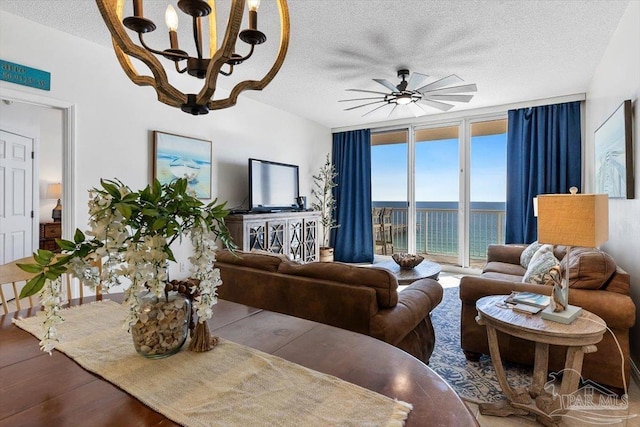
437, 228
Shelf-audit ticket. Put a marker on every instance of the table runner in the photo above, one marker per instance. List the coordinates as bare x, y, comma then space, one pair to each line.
228, 386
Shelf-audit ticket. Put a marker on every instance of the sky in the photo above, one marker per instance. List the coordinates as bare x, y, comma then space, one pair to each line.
437, 170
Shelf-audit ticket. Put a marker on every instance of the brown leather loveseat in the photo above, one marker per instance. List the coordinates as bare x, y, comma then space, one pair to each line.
360, 299
596, 284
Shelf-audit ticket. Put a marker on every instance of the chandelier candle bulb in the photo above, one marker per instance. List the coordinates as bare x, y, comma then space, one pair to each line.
171, 19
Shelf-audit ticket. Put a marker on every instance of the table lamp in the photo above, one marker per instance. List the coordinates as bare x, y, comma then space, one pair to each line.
570, 220
54, 191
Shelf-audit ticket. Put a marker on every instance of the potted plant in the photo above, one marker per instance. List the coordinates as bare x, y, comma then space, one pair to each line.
324, 183
130, 236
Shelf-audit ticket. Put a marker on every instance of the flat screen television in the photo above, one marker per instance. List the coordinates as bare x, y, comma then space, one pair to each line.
272, 186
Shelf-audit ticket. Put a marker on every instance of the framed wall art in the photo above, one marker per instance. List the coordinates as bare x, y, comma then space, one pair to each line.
176, 156
614, 154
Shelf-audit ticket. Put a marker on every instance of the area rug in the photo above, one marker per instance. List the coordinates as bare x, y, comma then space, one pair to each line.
473, 381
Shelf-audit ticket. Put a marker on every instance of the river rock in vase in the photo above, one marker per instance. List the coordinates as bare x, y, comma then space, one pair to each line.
163, 325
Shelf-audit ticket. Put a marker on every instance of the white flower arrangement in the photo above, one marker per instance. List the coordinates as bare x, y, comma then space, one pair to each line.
131, 234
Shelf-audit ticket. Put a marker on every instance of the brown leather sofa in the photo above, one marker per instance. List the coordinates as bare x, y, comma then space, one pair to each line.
360, 299
596, 284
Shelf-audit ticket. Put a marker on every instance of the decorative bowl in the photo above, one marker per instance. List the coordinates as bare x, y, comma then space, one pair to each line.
407, 261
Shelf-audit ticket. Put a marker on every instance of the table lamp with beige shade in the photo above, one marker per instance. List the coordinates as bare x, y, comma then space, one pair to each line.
570, 220
54, 191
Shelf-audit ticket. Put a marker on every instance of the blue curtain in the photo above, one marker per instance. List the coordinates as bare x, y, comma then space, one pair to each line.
353, 240
544, 151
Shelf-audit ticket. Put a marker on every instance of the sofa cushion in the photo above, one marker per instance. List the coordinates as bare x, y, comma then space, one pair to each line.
590, 268
261, 261
528, 253
504, 267
381, 280
502, 276
540, 265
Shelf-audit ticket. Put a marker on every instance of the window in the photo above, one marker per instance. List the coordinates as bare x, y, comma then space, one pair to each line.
440, 190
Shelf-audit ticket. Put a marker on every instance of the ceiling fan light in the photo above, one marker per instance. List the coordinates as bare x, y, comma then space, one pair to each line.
404, 99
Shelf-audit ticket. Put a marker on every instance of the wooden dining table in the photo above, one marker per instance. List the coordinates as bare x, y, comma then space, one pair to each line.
38, 389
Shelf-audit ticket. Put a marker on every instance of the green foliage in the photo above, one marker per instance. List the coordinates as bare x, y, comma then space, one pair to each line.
324, 183
168, 210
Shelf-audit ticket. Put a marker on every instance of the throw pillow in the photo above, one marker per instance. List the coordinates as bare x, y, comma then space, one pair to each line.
529, 251
540, 265
590, 268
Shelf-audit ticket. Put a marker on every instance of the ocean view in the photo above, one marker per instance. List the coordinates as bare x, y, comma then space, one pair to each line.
437, 226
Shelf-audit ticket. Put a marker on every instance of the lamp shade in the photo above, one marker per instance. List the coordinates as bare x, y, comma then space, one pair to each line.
54, 191
573, 219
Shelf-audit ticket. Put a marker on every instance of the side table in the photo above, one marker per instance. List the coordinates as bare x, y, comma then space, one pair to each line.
580, 337
49, 232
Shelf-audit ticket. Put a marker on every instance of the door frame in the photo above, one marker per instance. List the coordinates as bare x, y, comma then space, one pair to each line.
68, 151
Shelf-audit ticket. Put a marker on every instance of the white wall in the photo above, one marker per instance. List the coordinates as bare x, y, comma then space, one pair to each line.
618, 78
115, 118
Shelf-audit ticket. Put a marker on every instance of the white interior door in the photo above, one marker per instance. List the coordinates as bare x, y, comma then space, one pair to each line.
16, 201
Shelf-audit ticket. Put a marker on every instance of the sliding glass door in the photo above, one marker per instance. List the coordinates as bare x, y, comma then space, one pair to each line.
389, 183
440, 190
487, 187
437, 188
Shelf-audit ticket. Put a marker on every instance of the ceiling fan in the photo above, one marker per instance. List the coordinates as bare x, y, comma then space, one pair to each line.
414, 93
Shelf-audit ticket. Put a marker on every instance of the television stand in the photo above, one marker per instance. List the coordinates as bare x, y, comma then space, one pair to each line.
291, 233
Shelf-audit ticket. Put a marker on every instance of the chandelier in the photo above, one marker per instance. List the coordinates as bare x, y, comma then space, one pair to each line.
221, 60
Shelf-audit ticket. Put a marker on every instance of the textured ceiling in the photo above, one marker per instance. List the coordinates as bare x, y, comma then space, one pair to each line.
514, 50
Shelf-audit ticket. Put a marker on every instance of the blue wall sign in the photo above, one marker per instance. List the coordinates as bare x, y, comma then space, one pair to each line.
26, 76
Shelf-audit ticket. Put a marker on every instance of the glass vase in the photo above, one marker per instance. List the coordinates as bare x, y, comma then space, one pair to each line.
163, 325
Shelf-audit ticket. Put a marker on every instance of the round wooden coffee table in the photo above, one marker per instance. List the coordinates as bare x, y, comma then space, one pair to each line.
424, 270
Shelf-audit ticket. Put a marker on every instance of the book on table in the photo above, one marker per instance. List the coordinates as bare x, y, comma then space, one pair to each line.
525, 308
528, 298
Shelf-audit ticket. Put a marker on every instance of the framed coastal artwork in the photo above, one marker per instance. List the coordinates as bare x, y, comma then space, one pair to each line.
176, 156
614, 155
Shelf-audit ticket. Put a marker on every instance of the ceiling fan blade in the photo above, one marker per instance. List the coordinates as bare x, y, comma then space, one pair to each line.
387, 84
416, 80
435, 104
417, 110
363, 105
359, 99
454, 98
452, 89
445, 81
392, 110
367, 91
375, 109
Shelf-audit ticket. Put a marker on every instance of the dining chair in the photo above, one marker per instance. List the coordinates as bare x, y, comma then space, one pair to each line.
71, 282
12, 278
